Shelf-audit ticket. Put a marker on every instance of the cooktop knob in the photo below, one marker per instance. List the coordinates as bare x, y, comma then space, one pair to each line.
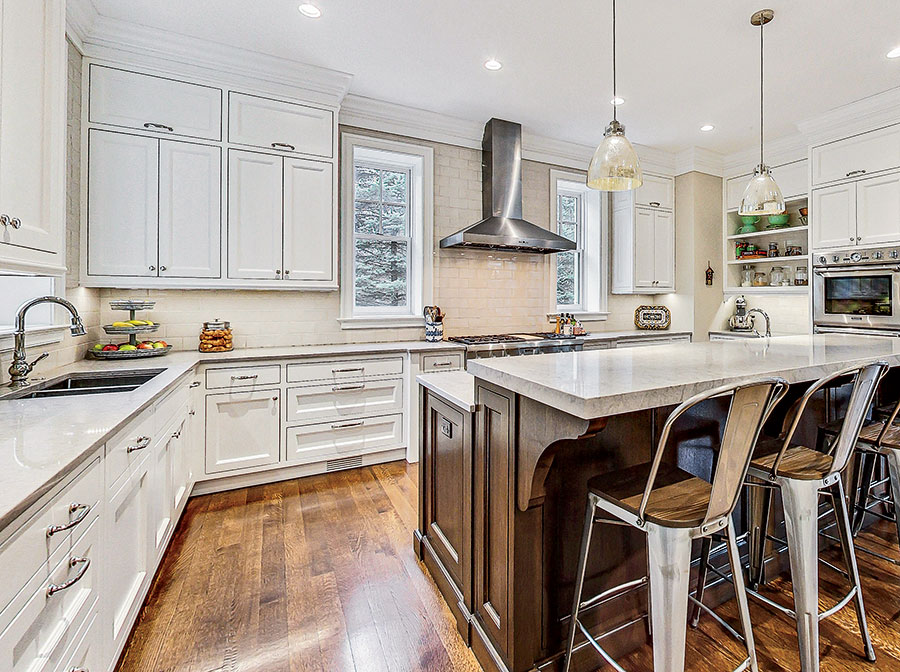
856, 256
878, 255
895, 254
823, 260
835, 258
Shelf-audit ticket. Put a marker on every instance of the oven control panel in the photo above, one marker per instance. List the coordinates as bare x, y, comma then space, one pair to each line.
855, 257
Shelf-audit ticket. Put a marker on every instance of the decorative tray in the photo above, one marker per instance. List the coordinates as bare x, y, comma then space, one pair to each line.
133, 329
652, 317
131, 304
129, 354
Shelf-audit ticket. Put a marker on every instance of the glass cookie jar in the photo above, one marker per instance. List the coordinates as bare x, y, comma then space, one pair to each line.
216, 337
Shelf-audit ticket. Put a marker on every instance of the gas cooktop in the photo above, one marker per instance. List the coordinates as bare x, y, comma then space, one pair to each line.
504, 345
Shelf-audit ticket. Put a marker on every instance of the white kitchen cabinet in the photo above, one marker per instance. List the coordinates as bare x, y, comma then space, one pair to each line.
345, 400
833, 216
654, 339
858, 155
254, 215
243, 430
122, 232
190, 221
657, 191
275, 124
310, 227
878, 210
32, 132
163, 493
791, 177
643, 242
343, 438
128, 99
129, 528
181, 447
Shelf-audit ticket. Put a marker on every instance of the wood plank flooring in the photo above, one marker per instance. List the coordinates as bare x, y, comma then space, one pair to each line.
319, 574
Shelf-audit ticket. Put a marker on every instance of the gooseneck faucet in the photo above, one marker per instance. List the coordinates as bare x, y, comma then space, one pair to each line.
20, 368
765, 315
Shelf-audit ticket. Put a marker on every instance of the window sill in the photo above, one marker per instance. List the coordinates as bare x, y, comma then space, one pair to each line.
584, 316
382, 322
34, 337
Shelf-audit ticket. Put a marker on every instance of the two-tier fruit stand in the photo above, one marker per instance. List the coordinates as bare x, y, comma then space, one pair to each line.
132, 331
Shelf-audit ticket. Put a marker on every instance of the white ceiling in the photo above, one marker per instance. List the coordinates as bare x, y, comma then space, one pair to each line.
681, 64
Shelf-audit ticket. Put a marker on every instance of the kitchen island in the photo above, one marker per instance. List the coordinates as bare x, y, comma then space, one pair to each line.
544, 425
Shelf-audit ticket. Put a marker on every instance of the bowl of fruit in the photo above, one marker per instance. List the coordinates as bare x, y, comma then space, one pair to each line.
129, 350
131, 327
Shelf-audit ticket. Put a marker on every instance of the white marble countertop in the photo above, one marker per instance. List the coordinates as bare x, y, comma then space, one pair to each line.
600, 383
745, 334
300, 351
632, 333
456, 387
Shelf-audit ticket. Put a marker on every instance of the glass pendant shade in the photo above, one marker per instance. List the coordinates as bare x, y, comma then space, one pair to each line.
762, 195
615, 165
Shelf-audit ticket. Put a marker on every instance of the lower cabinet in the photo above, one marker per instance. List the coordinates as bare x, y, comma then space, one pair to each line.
243, 429
343, 438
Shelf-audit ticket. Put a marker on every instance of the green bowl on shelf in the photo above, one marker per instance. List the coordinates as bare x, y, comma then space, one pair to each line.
749, 219
779, 221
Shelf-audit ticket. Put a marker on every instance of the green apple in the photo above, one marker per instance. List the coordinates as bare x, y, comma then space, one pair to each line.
98, 346
127, 347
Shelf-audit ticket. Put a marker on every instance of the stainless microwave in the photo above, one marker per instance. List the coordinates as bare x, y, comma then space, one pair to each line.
857, 294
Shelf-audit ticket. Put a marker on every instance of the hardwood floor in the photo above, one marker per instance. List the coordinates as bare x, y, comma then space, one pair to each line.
319, 574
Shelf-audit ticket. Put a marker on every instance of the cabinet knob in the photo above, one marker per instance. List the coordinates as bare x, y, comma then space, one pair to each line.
858, 238
152, 268
162, 268
277, 272
287, 272
4, 220
16, 223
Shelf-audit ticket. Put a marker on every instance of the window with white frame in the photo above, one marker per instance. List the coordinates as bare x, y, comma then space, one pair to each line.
387, 232
581, 274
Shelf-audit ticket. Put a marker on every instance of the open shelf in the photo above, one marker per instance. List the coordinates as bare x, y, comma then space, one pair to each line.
770, 232
802, 289
797, 258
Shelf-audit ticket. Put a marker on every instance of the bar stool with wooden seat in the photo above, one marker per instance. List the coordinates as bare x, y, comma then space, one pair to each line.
673, 508
801, 474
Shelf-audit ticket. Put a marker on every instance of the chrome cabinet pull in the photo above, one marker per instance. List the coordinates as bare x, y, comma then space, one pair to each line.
854, 173
79, 669
162, 268
192, 412
437, 364
176, 435
152, 268
347, 425
349, 370
54, 588
142, 442
16, 223
5, 220
348, 388
654, 204
287, 273
85, 509
196, 383
278, 273
283, 145
159, 127
245, 377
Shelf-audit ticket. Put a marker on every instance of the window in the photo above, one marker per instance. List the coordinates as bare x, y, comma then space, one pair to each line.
581, 274
45, 323
387, 205
570, 265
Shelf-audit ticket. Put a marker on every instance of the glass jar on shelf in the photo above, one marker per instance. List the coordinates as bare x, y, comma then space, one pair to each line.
747, 275
788, 276
801, 277
760, 279
776, 276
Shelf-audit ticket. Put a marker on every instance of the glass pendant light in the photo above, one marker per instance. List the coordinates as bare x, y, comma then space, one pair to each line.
615, 165
762, 195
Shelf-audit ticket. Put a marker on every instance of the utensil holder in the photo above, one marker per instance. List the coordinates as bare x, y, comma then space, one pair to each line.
434, 331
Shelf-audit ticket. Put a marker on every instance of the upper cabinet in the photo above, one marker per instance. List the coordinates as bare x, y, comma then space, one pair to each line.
175, 201
273, 124
32, 134
643, 238
856, 156
791, 179
158, 104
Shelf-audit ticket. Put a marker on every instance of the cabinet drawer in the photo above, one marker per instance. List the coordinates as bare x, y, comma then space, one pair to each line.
650, 340
133, 100
344, 438
449, 362
242, 376
344, 369
274, 124
86, 654
166, 409
128, 446
37, 634
29, 550
324, 402
856, 156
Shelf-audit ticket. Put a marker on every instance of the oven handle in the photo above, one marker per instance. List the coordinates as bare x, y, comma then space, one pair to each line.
846, 269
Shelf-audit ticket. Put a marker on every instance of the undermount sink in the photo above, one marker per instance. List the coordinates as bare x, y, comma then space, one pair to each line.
87, 383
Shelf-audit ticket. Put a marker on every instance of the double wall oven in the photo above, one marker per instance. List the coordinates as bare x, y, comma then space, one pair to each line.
857, 292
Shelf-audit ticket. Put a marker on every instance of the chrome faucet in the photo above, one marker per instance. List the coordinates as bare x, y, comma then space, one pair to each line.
20, 368
760, 311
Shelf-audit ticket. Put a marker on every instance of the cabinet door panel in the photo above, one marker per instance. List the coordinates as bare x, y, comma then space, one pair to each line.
275, 124
243, 430
792, 179
865, 153
878, 210
644, 248
309, 232
254, 215
734, 191
134, 100
32, 122
664, 250
122, 204
189, 210
834, 216
163, 495
656, 192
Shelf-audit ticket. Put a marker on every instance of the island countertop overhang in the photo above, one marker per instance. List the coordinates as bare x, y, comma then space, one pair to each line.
601, 383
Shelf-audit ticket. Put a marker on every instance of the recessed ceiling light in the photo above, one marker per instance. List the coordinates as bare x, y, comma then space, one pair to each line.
310, 10
492, 64
707, 127
617, 100
894, 53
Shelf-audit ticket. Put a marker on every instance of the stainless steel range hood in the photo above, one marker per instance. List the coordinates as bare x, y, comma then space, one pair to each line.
501, 200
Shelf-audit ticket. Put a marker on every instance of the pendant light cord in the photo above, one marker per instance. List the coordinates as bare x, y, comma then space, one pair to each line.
761, 89
614, 57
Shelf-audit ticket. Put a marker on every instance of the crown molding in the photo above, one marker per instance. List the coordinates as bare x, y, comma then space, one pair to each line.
80, 18
699, 160
866, 114
126, 42
778, 152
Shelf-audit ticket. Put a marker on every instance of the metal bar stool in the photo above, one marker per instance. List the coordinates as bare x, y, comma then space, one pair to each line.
673, 508
801, 474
